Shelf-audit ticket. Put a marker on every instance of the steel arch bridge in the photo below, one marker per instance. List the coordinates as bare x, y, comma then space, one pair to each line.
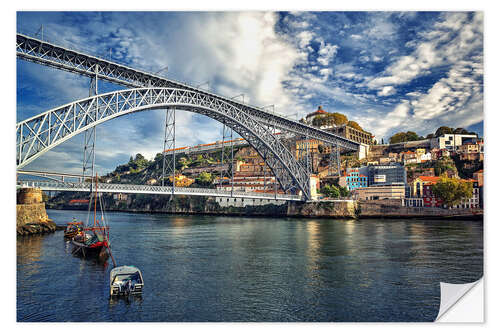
39, 134
62, 58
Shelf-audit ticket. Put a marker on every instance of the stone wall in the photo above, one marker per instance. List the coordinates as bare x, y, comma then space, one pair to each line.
29, 196
31, 213
31, 217
338, 209
393, 208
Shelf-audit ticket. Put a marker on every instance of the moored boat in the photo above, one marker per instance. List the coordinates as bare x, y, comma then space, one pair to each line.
93, 240
92, 243
125, 280
72, 229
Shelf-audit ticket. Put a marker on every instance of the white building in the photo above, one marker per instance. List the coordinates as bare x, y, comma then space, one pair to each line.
450, 141
243, 202
425, 157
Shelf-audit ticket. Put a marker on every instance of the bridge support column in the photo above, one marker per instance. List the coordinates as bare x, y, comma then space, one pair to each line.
334, 163
169, 144
90, 134
227, 157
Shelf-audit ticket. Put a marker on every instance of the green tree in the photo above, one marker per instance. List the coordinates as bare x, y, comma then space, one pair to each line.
318, 121
204, 178
443, 164
344, 192
355, 125
443, 130
412, 136
330, 191
398, 137
184, 162
460, 130
339, 119
452, 191
404, 137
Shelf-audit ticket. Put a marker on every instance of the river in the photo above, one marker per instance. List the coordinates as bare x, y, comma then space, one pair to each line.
211, 268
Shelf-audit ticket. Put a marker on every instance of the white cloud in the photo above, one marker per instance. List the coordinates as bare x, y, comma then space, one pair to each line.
326, 53
387, 91
305, 38
325, 73
438, 48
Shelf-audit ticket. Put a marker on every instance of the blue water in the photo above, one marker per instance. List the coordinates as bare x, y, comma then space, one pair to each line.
206, 268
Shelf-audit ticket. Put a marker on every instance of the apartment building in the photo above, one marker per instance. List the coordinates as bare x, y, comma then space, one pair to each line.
450, 141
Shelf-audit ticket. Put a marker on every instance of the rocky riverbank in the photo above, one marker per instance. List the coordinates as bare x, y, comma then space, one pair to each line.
36, 228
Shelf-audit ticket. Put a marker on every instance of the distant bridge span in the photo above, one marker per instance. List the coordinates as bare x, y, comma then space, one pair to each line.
149, 189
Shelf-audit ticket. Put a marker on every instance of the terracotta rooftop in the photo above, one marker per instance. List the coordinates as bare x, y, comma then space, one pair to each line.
317, 112
429, 179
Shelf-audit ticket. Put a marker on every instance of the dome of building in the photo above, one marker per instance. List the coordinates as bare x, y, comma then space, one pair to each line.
319, 111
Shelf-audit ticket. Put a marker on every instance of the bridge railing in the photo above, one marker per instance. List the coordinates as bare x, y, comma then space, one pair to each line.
150, 189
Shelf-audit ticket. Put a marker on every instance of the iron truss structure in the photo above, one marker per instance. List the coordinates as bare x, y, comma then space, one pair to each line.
39, 134
49, 54
148, 189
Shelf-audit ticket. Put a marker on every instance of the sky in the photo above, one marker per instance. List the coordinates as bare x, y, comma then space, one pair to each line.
389, 71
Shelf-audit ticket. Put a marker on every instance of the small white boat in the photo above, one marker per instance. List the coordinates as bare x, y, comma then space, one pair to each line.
125, 280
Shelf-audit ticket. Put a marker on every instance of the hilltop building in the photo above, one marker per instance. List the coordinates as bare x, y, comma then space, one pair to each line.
450, 141
348, 132
319, 112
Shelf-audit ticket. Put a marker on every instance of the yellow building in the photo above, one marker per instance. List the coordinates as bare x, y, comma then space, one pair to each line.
420, 151
182, 181
468, 148
301, 147
417, 186
353, 134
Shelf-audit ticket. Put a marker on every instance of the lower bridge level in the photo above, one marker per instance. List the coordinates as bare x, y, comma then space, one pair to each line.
149, 189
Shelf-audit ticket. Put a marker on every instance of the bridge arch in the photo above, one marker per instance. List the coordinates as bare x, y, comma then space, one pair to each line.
37, 135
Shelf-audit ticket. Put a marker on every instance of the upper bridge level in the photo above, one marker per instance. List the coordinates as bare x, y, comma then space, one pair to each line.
49, 54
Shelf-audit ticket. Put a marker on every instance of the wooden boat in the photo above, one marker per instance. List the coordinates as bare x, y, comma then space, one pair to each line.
72, 229
125, 280
92, 242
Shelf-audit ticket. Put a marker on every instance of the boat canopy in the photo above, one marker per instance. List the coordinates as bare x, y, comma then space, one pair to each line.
123, 270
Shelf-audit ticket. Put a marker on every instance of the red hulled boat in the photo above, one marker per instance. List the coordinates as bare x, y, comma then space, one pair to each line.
92, 241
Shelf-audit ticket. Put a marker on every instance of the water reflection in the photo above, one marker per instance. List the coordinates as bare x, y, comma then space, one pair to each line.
207, 268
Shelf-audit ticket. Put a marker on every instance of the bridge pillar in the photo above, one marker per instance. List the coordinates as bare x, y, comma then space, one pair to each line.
314, 186
227, 156
169, 144
90, 134
334, 163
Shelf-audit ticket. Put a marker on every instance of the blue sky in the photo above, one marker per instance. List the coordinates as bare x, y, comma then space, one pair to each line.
389, 71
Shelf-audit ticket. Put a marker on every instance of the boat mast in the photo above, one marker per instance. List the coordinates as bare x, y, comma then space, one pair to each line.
95, 199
